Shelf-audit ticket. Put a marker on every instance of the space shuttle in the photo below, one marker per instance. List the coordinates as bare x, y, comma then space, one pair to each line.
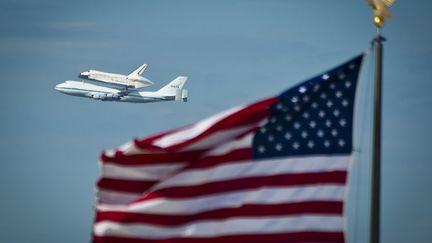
132, 80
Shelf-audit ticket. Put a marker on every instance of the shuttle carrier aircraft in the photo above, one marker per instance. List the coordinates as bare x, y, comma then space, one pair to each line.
124, 88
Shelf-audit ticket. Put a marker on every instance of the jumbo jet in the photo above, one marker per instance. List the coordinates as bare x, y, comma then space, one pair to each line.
132, 80
170, 92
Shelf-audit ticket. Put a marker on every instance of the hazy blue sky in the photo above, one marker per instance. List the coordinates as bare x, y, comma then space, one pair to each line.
234, 52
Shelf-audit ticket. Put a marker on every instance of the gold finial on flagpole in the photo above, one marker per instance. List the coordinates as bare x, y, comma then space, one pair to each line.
380, 11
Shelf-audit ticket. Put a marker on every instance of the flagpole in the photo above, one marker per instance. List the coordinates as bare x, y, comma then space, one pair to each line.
381, 13
376, 153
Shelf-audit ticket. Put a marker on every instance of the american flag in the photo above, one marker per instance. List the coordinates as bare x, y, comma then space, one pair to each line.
271, 171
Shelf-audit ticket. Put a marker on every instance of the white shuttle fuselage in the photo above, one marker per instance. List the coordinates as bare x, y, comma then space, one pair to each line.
172, 91
132, 80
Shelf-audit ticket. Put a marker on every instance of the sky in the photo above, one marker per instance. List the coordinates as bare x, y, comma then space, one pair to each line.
234, 52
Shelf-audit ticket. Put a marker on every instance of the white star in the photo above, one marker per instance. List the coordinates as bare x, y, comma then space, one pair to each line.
279, 106
270, 138
302, 89
278, 147
316, 88
297, 108
351, 66
338, 94
314, 105
306, 98
296, 145
305, 115
273, 119
341, 76
345, 103
342, 122
263, 130
334, 132
310, 144
329, 103
348, 84
336, 113
332, 86
312, 124
297, 125
279, 128
341, 142
325, 76
261, 149
328, 123
320, 133
323, 95
288, 136
321, 113
294, 99
327, 143
304, 134
288, 117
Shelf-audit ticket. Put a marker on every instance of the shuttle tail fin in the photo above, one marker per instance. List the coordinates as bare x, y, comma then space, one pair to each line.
174, 87
137, 72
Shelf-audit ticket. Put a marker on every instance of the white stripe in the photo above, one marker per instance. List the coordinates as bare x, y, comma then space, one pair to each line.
240, 143
194, 130
218, 138
257, 168
116, 198
142, 172
214, 228
265, 195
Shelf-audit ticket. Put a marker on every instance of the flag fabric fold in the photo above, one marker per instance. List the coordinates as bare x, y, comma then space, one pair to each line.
275, 171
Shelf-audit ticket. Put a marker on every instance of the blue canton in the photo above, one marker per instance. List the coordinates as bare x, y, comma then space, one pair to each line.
314, 117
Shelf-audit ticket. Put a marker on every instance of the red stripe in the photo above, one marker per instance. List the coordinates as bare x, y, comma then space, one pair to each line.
246, 210
236, 156
148, 159
297, 237
332, 177
124, 185
247, 116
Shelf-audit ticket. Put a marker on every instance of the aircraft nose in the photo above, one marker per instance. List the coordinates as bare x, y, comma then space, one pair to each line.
59, 87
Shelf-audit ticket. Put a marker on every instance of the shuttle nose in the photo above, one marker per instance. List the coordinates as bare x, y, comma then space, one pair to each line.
84, 74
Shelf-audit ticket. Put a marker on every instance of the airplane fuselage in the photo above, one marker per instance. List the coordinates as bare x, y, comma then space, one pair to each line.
104, 93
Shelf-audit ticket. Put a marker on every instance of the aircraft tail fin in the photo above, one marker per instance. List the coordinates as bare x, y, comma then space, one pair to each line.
174, 87
138, 71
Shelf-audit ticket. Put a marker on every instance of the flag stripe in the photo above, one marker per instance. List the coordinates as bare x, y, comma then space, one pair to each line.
219, 137
263, 195
296, 237
120, 158
134, 186
212, 228
247, 116
333, 177
198, 174
147, 172
245, 210
115, 197
235, 156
